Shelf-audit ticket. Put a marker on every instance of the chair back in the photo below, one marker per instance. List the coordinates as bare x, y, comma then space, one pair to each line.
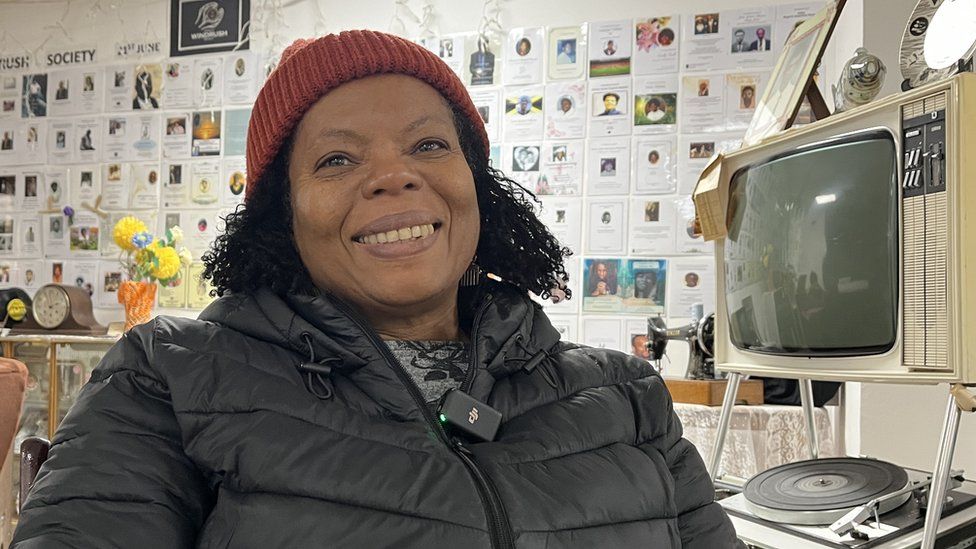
13, 385
33, 452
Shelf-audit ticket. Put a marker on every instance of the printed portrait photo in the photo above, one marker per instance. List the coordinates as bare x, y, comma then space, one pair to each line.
175, 174
601, 277
566, 51
655, 108
702, 150
652, 211
56, 224
176, 125
525, 158
609, 104
146, 87
706, 23
559, 153
34, 96
654, 33
61, 94
30, 186
747, 97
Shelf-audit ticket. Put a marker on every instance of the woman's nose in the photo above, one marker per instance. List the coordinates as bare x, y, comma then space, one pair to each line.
391, 176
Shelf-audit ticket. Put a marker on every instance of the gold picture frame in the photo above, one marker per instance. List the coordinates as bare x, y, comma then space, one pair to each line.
792, 79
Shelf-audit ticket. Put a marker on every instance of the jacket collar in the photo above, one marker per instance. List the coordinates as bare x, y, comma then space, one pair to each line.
507, 330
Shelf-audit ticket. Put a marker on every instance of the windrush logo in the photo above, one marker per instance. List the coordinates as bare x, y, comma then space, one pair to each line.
209, 16
208, 19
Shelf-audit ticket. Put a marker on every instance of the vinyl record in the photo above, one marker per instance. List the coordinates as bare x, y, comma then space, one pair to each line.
938, 35
820, 491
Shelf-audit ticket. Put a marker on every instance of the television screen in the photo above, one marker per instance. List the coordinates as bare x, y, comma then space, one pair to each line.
811, 259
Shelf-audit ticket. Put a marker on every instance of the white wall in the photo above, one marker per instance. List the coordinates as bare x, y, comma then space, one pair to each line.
900, 424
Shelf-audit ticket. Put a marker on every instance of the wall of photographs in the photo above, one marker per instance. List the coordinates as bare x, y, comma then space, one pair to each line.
83, 145
610, 123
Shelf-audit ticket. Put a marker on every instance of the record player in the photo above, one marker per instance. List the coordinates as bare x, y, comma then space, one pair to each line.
848, 503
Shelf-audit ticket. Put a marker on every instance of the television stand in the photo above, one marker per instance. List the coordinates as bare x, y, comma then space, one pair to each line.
959, 400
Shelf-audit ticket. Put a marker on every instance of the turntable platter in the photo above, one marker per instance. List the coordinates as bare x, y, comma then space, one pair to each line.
820, 491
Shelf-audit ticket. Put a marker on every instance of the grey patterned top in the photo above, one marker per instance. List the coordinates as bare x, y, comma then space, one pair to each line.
435, 366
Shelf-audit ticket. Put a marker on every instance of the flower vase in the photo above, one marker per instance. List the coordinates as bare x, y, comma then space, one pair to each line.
138, 298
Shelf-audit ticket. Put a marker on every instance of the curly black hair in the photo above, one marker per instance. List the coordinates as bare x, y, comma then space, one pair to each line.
257, 248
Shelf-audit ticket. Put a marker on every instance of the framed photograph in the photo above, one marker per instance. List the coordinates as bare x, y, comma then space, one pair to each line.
208, 26
793, 74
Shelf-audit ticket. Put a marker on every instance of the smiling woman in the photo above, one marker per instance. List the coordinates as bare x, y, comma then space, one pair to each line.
362, 382
388, 172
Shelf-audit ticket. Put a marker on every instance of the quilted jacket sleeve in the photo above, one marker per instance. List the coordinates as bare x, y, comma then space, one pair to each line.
117, 476
702, 523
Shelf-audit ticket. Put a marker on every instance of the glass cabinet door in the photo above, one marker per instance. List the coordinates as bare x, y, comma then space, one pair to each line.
75, 364
34, 418
71, 361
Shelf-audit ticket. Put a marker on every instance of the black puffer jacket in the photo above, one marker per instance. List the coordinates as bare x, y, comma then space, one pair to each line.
205, 433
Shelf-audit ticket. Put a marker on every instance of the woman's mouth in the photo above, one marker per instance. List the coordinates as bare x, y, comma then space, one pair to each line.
414, 232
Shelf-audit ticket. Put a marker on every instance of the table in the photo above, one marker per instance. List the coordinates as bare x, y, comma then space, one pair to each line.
759, 437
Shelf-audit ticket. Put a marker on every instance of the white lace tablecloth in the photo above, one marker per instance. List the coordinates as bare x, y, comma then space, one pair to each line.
759, 437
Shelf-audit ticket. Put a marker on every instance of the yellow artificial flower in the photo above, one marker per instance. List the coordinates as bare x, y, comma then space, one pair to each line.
125, 229
145, 255
168, 263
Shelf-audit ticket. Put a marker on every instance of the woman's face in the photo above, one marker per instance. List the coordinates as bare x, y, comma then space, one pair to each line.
384, 207
601, 271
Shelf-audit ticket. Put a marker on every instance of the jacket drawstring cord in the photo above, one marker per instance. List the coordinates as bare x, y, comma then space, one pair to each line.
317, 371
532, 363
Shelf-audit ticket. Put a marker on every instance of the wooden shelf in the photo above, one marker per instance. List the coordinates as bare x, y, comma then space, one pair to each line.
711, 392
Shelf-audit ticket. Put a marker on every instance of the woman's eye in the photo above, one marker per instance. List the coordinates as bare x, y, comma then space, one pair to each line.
431, 145
336, 161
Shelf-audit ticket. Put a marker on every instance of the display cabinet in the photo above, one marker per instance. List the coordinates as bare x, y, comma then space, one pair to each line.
59, 367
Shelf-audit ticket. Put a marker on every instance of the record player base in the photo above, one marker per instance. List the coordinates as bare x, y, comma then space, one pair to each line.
901, 528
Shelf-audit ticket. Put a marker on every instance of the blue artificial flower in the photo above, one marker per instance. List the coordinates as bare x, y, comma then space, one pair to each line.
142, 240
69, 211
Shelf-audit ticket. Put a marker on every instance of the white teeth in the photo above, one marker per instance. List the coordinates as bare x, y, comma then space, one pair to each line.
406, 233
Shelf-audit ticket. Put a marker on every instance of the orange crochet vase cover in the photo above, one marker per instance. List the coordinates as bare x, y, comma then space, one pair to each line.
138, 298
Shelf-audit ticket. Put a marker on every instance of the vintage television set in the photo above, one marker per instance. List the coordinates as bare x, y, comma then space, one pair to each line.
851, 245
850, 255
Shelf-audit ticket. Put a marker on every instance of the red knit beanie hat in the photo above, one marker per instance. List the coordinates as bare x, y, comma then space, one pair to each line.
309, 69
